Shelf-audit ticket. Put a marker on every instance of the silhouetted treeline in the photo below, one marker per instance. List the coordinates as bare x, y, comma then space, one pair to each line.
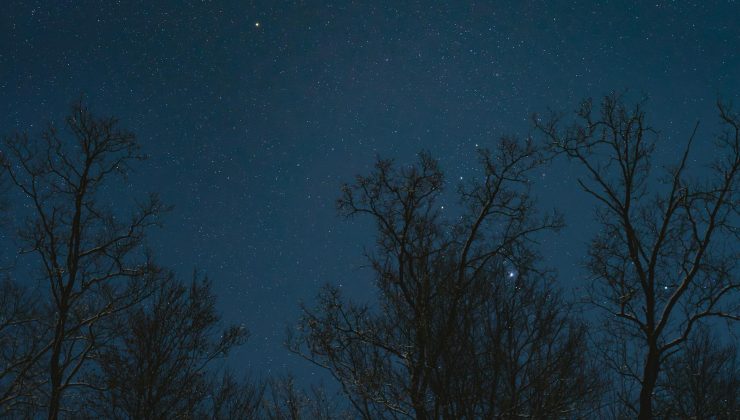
467, 322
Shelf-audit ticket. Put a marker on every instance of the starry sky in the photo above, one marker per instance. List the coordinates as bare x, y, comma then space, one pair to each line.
254, 113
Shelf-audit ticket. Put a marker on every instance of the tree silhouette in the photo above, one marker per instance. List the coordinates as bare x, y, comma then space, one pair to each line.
157, 366
90, 257
667, 254
466, 324
701, 381
22, 338
286, 401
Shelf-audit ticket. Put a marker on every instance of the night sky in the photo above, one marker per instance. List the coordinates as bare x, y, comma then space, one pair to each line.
254, 113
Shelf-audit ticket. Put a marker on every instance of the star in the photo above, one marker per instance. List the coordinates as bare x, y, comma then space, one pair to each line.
256, 24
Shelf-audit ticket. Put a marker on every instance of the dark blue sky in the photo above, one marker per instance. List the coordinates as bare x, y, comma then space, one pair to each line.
251, 129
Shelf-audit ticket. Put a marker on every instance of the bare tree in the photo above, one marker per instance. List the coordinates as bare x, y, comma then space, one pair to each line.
22, 336
90, 257
232, 399
286, 401
701, 381
159, 366
466, 325
667, 254
21, 329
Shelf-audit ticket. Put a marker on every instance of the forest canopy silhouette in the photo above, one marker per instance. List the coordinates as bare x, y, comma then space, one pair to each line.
468, 320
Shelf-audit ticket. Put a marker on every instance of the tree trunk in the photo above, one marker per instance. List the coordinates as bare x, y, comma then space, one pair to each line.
649, 379
55, 368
